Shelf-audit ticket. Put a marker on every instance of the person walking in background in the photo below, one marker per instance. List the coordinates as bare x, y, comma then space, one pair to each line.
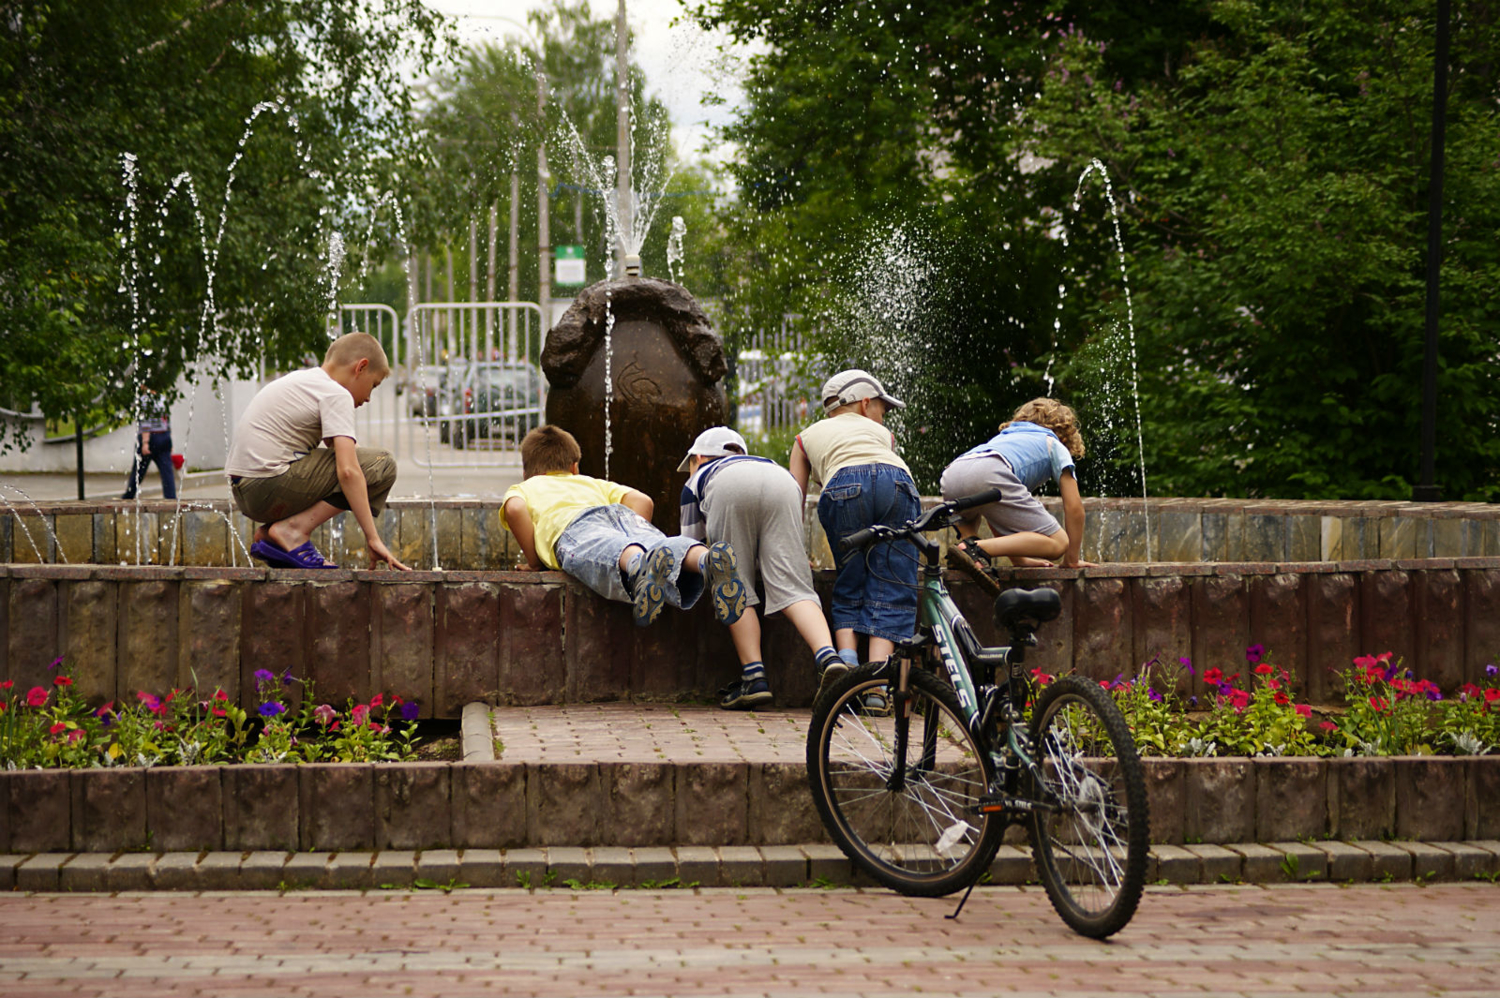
755, 506
155, 444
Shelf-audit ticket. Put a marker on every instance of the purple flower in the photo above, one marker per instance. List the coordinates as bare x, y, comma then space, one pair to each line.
1491, 670
286, 678
1192, 701
1255, 653
1433, 693
57, 663
1154, 696
271, 709
1391, 670
264, 676
1187, 664
409, 710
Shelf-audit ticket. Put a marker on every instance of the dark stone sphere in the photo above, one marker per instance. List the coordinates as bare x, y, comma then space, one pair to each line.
668, 369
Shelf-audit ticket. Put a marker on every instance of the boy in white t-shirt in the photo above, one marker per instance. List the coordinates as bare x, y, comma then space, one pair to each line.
283, 480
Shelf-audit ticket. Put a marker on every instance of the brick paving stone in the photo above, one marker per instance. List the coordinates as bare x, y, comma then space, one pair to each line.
1220, 865
1470, 861
1258, 864
566, 863
1303, 861
41, 872
612, 865
351, 870
698, 865
1388, 862
1177, 865
826, 864
741, 866
441, 866
176, 871
86, 872
220, 871
263, 869
306, 869
1012, 866
131, 871
786, 866
525, 867
483, 868
654, 864
1346, 862
1429, 861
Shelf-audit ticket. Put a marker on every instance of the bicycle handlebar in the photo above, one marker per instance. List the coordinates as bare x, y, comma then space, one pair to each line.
936, 518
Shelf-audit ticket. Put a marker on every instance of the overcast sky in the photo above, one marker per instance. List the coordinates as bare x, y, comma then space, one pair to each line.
681, 62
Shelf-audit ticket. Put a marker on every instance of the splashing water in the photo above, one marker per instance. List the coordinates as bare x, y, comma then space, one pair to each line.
1114, 210
609, 378
674, 248
16, 518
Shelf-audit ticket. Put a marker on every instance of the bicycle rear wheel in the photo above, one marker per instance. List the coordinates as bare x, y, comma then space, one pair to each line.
902, 813
1090, 849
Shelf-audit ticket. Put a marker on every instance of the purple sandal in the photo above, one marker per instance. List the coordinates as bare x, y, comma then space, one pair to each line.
304, 556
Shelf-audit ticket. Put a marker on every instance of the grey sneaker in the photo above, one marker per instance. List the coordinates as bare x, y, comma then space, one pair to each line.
724, 586
745, 695
647, 586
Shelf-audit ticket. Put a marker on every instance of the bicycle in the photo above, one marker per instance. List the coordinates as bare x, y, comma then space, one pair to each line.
919, 797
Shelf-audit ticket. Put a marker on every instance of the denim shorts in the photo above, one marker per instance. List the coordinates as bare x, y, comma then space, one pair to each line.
876, 590
589, 549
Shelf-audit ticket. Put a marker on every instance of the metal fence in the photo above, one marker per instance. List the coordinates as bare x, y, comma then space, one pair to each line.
778, 378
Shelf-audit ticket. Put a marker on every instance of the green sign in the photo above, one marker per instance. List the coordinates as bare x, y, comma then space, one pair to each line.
569, 267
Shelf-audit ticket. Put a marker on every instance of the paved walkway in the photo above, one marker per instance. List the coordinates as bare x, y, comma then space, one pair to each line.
650, 732
1370, 940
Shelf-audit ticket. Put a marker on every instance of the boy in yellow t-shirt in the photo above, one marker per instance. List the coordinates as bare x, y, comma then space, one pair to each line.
600, 533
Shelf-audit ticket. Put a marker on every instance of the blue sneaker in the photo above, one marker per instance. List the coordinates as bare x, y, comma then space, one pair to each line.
647, 587
746, 694
724, 585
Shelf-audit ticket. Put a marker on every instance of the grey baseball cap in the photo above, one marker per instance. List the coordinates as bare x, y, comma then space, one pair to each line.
853, 385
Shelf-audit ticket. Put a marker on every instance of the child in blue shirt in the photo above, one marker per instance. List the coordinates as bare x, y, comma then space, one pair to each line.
1038, 445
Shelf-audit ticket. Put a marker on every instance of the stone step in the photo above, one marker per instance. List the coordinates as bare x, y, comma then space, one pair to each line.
610, 867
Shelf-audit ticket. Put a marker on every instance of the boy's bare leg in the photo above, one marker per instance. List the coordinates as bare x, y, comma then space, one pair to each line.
745, 633
1027, 545
625, 555
881, 649
807, 617
296, 530
694, 560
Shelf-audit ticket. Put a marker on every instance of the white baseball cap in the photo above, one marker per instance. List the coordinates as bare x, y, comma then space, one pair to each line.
716, 441
853, 385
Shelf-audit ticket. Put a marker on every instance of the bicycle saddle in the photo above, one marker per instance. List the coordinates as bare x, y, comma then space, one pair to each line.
1017, 606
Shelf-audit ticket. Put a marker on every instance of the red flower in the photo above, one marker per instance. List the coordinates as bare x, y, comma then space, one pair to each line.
74, 735
1282, 699
1380, 704
105, 709
1274, 684
59, 726
220, 712
62, 681
1328, 726
1303, 710
4, 706
1264, 669
1491, 695
1213, 677
7, 684
220, 695
377, 700
36, 696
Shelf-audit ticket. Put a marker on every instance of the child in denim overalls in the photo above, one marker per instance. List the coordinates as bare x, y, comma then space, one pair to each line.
853, 456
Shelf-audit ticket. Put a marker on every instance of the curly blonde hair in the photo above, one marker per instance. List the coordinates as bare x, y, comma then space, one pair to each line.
1055, 416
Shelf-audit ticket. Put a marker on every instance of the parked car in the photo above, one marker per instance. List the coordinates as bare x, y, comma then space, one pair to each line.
502, 400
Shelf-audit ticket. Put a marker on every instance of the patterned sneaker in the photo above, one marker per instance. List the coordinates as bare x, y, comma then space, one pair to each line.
647, 586
828, 677
745, 695
724, 586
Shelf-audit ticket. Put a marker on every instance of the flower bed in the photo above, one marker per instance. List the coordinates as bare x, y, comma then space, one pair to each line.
1386, 712
54, 727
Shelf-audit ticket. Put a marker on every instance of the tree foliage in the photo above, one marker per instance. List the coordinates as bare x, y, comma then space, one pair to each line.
1268, 161
172, 174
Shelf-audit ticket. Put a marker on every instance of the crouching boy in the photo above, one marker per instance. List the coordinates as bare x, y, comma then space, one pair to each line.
284, 481
600, 533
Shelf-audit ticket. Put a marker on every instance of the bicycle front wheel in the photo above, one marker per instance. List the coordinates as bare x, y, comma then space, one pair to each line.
898, 795
1090, 837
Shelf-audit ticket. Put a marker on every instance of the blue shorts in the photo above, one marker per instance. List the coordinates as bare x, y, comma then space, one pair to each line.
876, 590
589, 549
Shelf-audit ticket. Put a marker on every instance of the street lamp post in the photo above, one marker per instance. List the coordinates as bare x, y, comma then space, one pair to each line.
1428, 490
622, 135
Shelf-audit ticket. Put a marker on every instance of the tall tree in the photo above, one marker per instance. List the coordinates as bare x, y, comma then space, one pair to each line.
172, 178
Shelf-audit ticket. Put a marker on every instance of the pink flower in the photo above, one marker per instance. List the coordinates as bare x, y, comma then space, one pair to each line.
324, 714
1304, 710
36, 697
1328, 726
359, 713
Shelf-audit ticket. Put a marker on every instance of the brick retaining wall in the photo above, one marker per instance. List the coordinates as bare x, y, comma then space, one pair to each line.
504, 805
471, 537
445, 639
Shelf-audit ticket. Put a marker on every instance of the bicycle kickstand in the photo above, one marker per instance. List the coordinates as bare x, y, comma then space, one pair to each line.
961, 902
